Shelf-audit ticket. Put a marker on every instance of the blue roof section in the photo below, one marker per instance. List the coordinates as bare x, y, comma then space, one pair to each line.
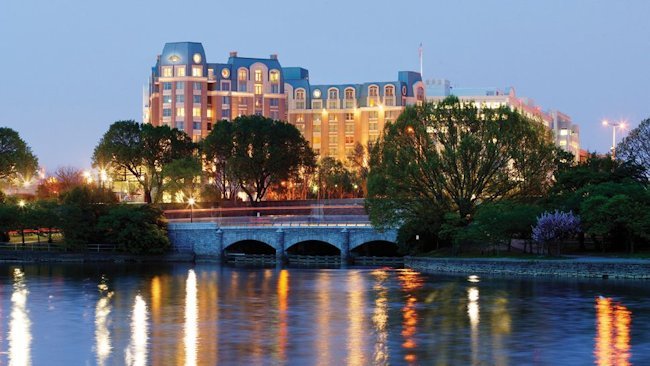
295, 73
179, 53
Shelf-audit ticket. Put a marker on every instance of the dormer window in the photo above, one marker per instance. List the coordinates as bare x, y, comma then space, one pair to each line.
242, 75
274, 76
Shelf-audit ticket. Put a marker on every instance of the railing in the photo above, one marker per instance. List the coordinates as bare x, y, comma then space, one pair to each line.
368, 261
55, 247
285, 221
250, 258
313, 259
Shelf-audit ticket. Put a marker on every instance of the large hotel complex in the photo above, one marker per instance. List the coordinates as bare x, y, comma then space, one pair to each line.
191, 94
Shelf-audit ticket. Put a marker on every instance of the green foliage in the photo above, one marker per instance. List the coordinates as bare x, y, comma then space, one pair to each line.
181, 176
334, 179
80, 211
143, 150
9, 217
135, 229
260, 152
16, 157
218, 151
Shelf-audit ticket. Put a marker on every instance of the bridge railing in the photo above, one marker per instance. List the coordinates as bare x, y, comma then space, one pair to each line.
287, 221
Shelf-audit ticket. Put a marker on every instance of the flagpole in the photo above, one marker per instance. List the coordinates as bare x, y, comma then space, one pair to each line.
421, 68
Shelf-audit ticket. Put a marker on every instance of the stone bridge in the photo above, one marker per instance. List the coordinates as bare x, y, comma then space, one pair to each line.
208, 240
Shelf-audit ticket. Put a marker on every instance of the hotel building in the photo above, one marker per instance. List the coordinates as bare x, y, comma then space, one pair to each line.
566, 134
188, 93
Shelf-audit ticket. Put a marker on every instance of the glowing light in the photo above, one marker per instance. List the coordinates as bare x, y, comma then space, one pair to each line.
473, 314
473, 278
356, 319
103, 176
380, 317
605, 123
191, 201
136, 353
102, 335
191, 319
410, 280
283, 297
20, 336
613, 323
21, 203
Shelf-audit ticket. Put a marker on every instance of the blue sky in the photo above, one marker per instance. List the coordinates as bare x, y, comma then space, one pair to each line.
71, 68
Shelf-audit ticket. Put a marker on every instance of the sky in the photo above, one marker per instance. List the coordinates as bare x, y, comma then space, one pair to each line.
71, 68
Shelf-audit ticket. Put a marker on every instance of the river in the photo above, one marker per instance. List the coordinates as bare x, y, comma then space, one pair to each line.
182, 314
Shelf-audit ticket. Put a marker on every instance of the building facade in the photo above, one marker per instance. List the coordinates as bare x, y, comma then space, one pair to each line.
566, 134
189, 93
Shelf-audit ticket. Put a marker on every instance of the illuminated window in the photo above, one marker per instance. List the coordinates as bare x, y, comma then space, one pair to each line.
258, 76
300, 94
180, 71
197, 71
258, 89
317, 104
333, 128
300, 118
167, 72
563, 143
316, 140
564, 132
333, 118
349, 93
373, 115
196, 112
209, 113
349, 127
180, 112
333, 140
242, 75
274, 76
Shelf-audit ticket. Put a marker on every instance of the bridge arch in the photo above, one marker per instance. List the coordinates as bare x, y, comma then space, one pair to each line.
359, 238
377, 248
330, 236
250, 247
234, 236
313, 247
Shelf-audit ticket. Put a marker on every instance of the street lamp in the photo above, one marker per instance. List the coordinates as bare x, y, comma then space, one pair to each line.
191, 202
21, 204
614, 125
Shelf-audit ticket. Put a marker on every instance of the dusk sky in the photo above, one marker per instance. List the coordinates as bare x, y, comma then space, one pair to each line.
71, 68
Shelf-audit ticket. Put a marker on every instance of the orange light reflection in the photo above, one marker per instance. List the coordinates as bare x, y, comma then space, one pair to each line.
612, 343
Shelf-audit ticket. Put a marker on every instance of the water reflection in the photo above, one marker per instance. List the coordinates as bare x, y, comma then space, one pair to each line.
323, 313
283, 296
136, 353
410, 281
191, 318
20, 336
474, 318
613, 322
380, 317
356, 319
102, 311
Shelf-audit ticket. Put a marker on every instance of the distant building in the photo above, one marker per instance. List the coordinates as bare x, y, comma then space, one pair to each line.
189, 93
565, 132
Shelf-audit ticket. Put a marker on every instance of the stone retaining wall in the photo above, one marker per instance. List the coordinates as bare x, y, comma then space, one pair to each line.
594, 268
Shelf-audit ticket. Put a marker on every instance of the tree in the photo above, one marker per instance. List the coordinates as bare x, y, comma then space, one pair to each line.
451, 156
64, 179
181, 177
16, 157
265, 152
358, 162
218, 150
636, 145
333, 178
135, 229
143, 150
555, 227
80, 211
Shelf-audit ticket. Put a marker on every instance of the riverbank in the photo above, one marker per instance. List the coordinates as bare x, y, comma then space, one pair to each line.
27, 256
591, 267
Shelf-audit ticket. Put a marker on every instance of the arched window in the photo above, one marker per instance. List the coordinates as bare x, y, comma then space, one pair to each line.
420, 94
349, 98
389, 91
333, 98
373, 91
300, 98
274, 76
242, 74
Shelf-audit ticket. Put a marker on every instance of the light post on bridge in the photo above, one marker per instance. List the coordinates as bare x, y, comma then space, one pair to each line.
191, 202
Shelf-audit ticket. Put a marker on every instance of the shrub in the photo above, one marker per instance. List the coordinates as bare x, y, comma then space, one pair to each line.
555, 227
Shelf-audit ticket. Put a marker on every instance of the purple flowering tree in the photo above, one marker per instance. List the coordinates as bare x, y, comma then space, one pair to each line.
554, 228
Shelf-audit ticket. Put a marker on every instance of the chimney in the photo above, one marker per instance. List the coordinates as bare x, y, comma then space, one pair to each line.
274, 56
233, 53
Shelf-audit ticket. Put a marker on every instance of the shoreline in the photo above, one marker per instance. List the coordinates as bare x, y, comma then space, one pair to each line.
11, 256
604, 268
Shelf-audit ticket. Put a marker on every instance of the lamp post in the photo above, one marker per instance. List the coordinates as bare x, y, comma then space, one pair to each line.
614, 125
191, 202
21, 204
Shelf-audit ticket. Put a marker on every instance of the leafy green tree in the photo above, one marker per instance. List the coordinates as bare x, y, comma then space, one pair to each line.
218, 151
80, 211
452, 156
135, 229
358, 162
9, 216
44, 214
16, 157
143, 150
635, 146
265, 152
182, 176
333, 178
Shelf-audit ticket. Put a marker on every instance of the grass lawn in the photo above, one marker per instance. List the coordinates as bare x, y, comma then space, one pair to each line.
32, 238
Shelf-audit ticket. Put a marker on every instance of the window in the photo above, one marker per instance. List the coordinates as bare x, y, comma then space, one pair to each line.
333, 140
349, 127
373, 91
300, 94
167, 86
300, 118
225, 114
275, 115
196, 112
316, 140
373, 115
196, 125
209, 126
209, 112
389, 91
564, 132
225, 100
225, 85
317, 104
196, 85
372, 126
167, 72
349, 116
275, 88
197, 71
180, 85
196, 99
333, 151
333, 118
274, 76
167, 98
349, 93
274, 102
349, 140
180, 112
242, 86
333, 94
180, 71
317, 128
333, 128
242, 75
258, 76
180, 98
180, 125
300, 127
258, 89
167, 112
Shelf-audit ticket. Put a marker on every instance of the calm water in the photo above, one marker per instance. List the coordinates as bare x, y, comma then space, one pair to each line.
206, 315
